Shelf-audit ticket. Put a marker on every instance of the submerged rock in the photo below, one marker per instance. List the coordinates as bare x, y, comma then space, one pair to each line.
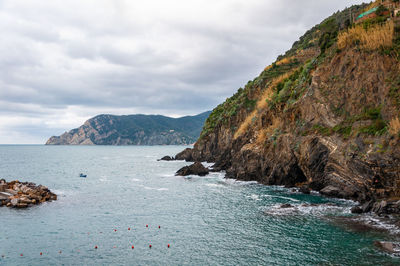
23, 194
389, 247
195, 169
305, 190
356, 209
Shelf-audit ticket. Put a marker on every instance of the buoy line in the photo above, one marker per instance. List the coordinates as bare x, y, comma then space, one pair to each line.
96, 246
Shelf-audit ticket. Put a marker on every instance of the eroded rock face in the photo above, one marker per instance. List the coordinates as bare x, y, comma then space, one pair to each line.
185, 155
23, 194
194, 169
326, 140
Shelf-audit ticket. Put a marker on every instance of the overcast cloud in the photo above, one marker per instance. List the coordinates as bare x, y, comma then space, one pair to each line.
63, 62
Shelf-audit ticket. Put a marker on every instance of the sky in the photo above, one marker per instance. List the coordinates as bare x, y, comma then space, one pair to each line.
62, 62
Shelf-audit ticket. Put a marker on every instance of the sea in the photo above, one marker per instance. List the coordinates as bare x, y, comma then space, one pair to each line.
130, 200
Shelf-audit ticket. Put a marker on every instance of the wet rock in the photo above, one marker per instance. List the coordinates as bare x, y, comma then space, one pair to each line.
53, 196
22, 205
185, 155
305, 190
386, 246
356, 209
195, 169
330, 191
166, 158
379, 207
3, 187
366, 207
287, 205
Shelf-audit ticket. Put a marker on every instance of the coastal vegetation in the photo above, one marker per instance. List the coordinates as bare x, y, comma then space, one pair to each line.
323, 116
134, 130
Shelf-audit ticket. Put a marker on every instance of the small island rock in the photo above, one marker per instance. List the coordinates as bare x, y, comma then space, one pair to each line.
166, 158
23, 194
195, 169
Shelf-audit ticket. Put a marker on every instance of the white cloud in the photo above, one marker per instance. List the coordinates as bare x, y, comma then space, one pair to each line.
65, 61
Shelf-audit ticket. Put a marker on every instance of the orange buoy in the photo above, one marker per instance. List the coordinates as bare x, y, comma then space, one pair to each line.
133, 247
41, 253
147, 225
150, 246
95, 247
168, 246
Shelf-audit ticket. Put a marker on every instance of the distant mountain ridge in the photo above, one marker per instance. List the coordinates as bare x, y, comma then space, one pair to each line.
134, 130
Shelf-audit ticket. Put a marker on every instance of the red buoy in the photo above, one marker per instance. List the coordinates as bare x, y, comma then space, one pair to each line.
147, 225
21, 254
159, 227
115, 230
168, 245
133, 247
41, 253
129, 228
114, 246
95, 247
150, 246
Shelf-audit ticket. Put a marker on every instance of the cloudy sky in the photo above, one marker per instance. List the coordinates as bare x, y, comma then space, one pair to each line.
62, 62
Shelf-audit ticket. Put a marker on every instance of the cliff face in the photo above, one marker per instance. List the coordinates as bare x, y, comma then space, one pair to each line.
324, 116
134, 130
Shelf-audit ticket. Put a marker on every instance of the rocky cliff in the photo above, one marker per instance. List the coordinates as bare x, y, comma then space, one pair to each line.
134, 130
324, 116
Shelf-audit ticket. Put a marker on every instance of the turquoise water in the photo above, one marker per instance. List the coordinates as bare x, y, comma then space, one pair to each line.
206, 221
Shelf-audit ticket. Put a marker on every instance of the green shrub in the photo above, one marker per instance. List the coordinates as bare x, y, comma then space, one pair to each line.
378, 128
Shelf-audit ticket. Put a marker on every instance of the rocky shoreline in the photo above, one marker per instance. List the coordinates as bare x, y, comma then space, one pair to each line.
387, 211
16, 194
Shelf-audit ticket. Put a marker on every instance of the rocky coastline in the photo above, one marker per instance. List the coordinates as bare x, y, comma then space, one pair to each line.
378, 206
16, 194
320, 118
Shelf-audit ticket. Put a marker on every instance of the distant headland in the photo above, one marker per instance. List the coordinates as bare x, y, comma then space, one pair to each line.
134, 130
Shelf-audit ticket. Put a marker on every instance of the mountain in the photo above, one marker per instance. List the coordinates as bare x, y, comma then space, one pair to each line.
324, 116
134, 130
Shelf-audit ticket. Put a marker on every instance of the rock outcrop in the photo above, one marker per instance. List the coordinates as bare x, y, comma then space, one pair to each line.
134, 130
17, 194
195, 169
323, 117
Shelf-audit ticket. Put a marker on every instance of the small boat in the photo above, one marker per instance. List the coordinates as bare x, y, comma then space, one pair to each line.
82, 175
